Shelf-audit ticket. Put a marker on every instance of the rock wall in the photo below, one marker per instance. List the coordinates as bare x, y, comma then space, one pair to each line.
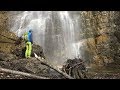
99, 35
6, 42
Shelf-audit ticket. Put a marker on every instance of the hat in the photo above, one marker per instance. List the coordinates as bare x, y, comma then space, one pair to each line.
30, 30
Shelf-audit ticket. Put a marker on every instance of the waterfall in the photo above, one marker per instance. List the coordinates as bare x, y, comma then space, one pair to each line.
56, 31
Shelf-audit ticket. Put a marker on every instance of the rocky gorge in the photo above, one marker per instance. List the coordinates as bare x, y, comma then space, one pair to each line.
100, 47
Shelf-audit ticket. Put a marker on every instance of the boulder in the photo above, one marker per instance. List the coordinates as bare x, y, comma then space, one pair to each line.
20, 52
38, 50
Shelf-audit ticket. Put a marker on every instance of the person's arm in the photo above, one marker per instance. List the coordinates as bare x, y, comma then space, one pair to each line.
31, 38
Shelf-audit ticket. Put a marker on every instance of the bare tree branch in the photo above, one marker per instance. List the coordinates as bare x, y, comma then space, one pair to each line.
53, 67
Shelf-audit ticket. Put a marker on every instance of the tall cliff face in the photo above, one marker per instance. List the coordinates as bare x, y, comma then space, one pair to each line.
100, 34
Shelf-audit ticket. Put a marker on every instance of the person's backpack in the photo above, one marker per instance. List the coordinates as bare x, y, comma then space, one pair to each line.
26, 37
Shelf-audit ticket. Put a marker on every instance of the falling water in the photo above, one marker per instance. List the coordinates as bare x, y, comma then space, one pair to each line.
56, 31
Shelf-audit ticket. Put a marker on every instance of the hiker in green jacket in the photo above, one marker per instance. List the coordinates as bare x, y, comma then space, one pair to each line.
28, 44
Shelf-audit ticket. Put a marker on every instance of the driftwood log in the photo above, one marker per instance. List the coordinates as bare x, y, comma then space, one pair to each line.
22, 73
53, 67
75, 68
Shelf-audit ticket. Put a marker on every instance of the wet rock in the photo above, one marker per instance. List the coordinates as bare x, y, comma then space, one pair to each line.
38, 50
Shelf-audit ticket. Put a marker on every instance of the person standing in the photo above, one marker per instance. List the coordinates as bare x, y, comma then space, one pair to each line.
29, 42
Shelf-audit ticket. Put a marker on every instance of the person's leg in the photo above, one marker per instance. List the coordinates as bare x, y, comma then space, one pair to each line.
29, 49
26, 52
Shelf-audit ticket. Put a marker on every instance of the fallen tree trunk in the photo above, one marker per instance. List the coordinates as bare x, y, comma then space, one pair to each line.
22, 73
53, 67
75, 68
